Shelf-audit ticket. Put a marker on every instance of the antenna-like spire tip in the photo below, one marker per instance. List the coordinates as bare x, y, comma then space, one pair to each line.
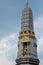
27, 4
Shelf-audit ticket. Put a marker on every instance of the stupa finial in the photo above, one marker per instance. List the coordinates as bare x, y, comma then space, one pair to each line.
27, 4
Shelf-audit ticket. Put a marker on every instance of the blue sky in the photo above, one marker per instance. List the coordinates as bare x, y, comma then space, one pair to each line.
10, 20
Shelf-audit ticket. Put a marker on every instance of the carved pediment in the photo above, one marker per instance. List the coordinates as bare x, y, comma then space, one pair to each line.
25, 39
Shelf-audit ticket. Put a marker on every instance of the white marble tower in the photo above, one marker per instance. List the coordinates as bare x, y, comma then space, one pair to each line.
27, 44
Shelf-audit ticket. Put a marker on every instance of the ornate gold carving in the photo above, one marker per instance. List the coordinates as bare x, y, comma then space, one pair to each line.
27, 32
25, 39
25, 50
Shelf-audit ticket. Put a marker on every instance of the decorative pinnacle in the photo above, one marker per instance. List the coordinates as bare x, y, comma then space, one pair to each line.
27, 4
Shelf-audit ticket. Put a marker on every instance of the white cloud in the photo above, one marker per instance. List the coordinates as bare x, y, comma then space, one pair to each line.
8, 45
40, 44
41, 63
6, 62
6, 42
8, 57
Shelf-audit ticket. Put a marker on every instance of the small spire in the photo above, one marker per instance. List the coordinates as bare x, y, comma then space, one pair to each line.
27, 4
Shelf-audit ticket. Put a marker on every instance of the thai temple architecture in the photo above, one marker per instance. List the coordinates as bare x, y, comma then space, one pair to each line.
27, 44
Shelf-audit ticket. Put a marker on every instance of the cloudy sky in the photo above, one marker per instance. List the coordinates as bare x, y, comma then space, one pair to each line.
10, 19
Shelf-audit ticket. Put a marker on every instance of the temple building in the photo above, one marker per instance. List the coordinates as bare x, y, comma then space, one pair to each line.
27, 44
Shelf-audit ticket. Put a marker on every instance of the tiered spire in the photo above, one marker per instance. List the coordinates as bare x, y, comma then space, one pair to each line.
27, 44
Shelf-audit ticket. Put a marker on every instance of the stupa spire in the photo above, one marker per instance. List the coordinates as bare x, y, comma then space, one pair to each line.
27, 44
27, 4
